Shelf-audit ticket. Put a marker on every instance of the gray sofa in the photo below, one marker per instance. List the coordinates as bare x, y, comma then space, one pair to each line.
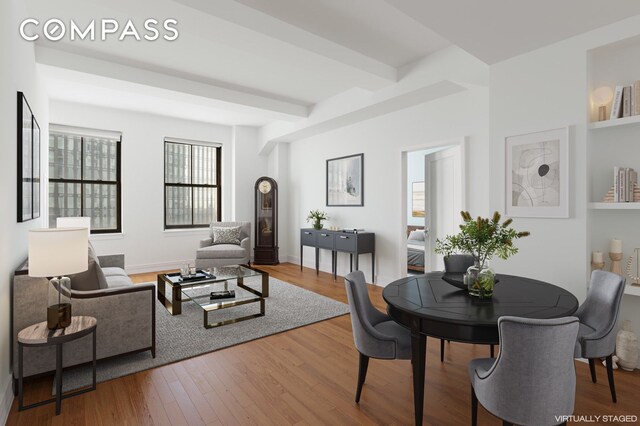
125, 313
211, 255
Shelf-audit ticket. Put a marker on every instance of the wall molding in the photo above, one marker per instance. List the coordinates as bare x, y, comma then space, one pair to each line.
6, 401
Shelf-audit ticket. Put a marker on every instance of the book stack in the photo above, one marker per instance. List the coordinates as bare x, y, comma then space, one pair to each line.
625, 186
626, 101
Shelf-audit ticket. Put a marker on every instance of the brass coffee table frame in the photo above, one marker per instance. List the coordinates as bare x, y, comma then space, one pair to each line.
174, 306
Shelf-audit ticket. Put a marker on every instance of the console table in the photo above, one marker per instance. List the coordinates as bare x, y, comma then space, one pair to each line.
352, 242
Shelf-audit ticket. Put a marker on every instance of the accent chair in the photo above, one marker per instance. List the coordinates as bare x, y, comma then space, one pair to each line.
212, 254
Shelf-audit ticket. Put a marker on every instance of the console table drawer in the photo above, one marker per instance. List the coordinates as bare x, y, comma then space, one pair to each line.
325, 240
346, 243
308, 238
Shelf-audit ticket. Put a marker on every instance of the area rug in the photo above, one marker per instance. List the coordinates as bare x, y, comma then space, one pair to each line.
183, 336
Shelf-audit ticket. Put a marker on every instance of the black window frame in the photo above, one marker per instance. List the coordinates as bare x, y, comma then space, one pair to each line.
192, 185
82, 181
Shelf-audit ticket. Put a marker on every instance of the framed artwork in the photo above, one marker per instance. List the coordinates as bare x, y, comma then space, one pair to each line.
28, 162
345, 181
537, 174
417, 199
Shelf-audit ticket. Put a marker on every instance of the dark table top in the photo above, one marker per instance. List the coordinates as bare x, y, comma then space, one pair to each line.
428, 297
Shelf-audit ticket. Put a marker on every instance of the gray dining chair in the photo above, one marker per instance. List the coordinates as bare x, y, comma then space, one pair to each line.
598, 316
374, 333
457, 264
533, 380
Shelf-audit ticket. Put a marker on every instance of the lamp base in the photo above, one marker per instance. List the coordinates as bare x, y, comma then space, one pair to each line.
58, 316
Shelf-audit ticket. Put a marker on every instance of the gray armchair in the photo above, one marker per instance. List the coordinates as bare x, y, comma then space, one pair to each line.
533, 380
374, 333
211, 255
598, 315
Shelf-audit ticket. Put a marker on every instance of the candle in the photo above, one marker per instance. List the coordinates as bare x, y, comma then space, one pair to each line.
596, 257
615, 246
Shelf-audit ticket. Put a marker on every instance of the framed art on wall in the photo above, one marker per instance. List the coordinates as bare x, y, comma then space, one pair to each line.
345, 181
417, 199
28, 162
537, 174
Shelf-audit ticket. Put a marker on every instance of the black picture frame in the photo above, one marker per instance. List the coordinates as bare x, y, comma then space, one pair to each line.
28, 181
345, 181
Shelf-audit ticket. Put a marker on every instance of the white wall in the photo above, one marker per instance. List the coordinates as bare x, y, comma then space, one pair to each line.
145, 243
17, 73
382, 140
541, 90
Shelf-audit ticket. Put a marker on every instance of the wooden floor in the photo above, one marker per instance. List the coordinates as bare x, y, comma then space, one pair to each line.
302, 376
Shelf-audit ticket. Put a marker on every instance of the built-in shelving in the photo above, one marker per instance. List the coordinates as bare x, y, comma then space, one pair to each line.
632, 290
614, 206
616, 122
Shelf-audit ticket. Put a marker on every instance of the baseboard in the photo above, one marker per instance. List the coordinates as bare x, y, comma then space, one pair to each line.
153, 267
326, 267
6, 401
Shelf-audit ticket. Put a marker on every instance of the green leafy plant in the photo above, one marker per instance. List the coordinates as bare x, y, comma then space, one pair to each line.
317, 216
482, 238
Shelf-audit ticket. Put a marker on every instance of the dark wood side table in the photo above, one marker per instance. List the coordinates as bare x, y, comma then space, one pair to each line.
40, 335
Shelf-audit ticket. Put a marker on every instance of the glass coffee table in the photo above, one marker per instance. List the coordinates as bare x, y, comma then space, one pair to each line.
173, 290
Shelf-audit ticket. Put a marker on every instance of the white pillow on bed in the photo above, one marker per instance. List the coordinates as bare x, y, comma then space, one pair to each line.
417, 235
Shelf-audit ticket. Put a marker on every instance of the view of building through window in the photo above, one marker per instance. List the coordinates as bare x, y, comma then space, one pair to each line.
84, 180
192, 184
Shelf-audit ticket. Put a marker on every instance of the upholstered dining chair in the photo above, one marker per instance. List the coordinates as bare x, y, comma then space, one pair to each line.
457, 264
533, 380
598, 315
374, 333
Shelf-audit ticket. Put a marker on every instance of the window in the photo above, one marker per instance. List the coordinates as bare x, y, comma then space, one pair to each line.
84, 179
191, 184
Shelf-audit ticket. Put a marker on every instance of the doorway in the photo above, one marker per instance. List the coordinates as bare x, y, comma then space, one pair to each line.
434, 196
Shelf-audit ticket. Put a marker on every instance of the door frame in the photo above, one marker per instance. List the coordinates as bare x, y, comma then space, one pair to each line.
402, 230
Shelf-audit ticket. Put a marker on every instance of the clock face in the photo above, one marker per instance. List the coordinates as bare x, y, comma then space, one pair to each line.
264, 186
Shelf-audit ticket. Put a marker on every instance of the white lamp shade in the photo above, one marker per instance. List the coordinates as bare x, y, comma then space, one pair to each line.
602, 96
57, 252
74, 222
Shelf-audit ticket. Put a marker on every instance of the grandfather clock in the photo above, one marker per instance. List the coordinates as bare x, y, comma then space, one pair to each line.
265, 251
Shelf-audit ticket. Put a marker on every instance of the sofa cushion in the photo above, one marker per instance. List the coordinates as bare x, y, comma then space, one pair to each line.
112, 271
118, 281
91, 279
221, 251
226, 235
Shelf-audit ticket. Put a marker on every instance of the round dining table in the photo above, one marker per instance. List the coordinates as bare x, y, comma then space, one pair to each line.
429, 306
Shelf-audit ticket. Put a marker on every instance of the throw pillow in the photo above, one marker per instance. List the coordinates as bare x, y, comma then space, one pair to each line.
91, 279
226, 235
417, 235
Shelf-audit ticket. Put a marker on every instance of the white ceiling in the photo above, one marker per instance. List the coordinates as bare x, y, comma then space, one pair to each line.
253, 61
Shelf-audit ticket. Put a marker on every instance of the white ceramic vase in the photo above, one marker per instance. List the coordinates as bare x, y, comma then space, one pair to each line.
627, 347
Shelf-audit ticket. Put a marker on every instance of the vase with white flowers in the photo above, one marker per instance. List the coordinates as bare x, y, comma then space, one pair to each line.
317, 216
482, 238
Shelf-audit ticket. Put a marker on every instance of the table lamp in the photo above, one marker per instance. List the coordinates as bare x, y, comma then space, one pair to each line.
54, 253
601, 97
74, 222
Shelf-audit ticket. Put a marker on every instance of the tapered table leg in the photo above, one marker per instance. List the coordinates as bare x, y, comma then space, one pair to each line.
418, 358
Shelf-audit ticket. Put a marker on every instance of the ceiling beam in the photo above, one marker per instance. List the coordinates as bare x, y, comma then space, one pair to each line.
379, 74
110, 68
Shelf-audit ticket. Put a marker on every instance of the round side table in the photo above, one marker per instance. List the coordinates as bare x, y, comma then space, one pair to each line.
40, 335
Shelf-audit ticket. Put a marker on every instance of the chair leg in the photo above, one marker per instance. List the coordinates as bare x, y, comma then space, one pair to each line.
493, 353
592, 368
612, 386
441, 350
506, 423
474, 407
362, 374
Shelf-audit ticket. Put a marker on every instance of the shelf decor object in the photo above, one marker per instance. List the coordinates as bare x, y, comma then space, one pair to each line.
601, 97
537, 174
627, 347
615, 254
54, 253
482, 238
610, 195
635, 279
597, 260
265, 251
345, 181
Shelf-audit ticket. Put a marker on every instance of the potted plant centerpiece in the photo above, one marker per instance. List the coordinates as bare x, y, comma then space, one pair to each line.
317, 216
482, 238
